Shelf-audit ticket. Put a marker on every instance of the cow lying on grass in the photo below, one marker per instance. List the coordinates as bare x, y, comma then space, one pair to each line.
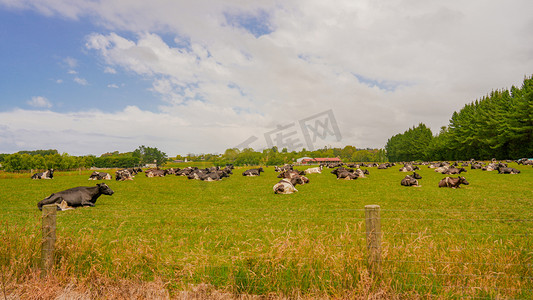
76, 197
48, 174
453, 182
315, 170
121, 175
287, 185
507, 170
100, 176
409, 180
253, 172
452, 171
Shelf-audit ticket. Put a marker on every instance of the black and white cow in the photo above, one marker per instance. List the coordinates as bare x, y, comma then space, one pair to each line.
155, 173
287, 185
121, 175
452, 171
361, 173
507, 170
409, 180
215, 175
408, 168
453, 182
100, 176
76, 197
253, 172
48, 174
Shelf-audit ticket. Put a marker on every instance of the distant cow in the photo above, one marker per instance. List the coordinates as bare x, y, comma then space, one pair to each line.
361, 173
346, 175
441, 169
282, 168
100, 176
476, 166
155, 173
315, 170
253, 172
409, 168
290, 174
452, 171
409, 181
121, 175
490, 167
76, 197
508, 171
48, 174
215, 175
453, 182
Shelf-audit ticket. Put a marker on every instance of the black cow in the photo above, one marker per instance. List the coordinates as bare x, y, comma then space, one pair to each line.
253, 172
76, 197
48, 174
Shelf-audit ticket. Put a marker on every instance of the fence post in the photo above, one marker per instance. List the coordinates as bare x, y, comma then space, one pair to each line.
49, 238
373, 237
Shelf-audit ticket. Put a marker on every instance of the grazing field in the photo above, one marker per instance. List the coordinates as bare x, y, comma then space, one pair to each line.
239, 238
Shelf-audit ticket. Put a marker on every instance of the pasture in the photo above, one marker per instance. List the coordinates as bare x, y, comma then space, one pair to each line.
239, 237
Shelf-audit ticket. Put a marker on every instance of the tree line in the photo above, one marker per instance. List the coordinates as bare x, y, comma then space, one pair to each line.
46, 159
273, 156
499, 125
51, 159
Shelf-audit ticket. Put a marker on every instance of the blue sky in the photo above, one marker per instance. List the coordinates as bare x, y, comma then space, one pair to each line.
46, 57
88, 77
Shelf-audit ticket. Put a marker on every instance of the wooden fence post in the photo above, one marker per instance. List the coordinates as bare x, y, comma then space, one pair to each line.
373, 237
49, 238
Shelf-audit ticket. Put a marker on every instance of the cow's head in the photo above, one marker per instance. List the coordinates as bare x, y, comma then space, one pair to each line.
297, 180
462, 180
416, 175
105, 189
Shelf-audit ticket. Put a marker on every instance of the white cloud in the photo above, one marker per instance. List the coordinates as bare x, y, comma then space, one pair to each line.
113, 85
71, 62
80, 81
110, 70
381, 66
39, 102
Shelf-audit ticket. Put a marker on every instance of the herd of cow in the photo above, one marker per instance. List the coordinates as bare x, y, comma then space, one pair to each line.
289, 177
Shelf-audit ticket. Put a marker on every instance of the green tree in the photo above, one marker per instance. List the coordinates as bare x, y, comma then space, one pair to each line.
148, 155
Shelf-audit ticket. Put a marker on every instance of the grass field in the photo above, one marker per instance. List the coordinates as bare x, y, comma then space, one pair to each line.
239, 237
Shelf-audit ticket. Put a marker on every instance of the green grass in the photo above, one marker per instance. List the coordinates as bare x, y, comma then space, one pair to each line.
237, 235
